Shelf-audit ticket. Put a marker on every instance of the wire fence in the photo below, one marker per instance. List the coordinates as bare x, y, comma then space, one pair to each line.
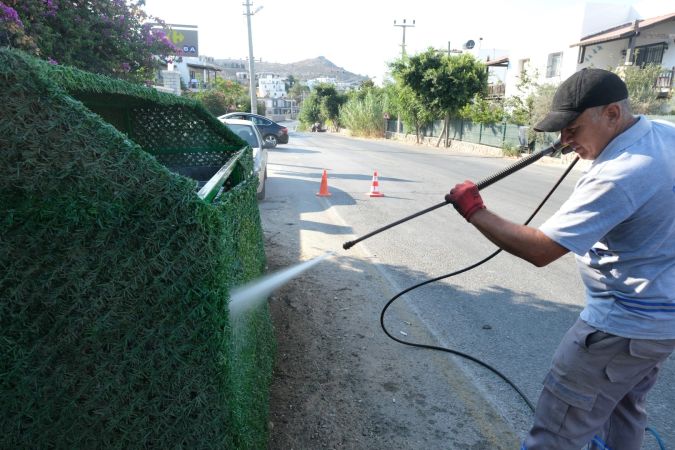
495, 135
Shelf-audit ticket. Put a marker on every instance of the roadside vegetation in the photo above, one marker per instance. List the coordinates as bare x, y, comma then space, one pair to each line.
225, 96
129, 341
363, 113
640, 82
443, 83
432, 86
322, 106
113, 38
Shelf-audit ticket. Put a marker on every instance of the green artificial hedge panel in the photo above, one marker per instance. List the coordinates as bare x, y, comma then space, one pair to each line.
252, 342
114, 275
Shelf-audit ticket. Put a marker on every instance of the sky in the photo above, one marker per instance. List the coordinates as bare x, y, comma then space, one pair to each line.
360, 36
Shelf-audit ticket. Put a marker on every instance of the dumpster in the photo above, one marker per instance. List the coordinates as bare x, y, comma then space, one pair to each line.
127, 216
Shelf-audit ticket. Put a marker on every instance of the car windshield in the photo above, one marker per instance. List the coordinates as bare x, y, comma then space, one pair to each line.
246, 133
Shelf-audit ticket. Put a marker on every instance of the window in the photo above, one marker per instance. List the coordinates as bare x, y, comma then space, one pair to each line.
523, 65
649, 54
246, 133
553, 65
582, 54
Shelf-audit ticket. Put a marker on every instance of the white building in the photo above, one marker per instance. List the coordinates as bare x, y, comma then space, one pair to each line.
344, 86
639, 43
313, 82
197, 72
279, 109
605, 37
271, 85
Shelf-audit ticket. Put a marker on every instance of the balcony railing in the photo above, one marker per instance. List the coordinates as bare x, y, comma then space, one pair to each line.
496, 90
664, 82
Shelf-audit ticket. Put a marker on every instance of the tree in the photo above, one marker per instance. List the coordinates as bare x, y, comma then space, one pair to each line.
366, 84
363, 113
542, 99
311, 110
640, 84
323, 105
111, 37
330, 101
402, 102
290, 82
482, 110
443, 82
298, 92
225, 96
519, 107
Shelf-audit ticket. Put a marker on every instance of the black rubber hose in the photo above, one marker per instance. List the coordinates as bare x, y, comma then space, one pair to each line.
466, 269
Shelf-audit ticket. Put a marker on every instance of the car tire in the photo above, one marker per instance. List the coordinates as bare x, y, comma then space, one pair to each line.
272, 139
261, 195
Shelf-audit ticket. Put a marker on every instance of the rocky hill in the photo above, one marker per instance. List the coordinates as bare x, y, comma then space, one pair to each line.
302, 70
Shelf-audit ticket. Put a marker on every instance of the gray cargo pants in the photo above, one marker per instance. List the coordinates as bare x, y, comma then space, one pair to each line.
596, 391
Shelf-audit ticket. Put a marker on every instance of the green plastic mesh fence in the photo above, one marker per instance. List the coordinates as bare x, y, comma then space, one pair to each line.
114, 275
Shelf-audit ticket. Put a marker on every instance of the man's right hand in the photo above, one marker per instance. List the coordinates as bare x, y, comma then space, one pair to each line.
466, 199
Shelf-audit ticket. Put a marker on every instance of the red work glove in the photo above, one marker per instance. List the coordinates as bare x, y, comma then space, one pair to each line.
466, 199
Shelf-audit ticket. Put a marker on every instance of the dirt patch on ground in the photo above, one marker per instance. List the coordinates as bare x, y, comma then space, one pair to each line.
317, 392
339, 382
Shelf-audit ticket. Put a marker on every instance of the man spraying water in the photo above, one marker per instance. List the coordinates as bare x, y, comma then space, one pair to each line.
620, 224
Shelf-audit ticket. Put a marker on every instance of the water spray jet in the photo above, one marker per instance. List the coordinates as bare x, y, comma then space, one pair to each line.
251, 295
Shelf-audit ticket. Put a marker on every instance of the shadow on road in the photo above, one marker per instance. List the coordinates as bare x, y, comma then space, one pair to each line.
286, 149
341, 176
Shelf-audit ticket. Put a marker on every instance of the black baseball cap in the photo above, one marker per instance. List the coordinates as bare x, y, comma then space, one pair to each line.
585, 89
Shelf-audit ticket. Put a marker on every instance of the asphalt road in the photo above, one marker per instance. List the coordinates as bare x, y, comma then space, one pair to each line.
507, 313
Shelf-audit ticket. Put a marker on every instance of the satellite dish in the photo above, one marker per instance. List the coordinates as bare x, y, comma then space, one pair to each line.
469, 44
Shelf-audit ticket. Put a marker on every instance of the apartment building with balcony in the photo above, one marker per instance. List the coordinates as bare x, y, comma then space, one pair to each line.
271, 85
606, 36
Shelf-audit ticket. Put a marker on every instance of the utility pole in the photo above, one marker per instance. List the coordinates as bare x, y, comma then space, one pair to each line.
251, 68
403, 26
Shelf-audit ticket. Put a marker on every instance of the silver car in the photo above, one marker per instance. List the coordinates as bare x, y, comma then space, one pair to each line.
247, 131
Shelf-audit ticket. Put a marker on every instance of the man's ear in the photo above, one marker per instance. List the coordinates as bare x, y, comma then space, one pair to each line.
613, 113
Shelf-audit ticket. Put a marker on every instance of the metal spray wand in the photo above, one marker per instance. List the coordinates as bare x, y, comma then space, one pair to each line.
556, 146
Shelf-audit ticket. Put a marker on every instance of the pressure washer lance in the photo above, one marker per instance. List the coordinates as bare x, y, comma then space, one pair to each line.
555, 147
252, 294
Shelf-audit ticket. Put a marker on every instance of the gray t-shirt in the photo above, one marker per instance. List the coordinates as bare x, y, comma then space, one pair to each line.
620, 223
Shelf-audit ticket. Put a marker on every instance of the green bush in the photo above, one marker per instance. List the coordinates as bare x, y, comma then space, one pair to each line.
364, 116
114, 327
640, 84
482, 110
510, 150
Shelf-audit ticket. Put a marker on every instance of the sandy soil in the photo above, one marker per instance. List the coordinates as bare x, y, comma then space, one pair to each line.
339, 381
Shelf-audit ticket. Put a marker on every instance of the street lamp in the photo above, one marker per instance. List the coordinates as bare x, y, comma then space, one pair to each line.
251, 69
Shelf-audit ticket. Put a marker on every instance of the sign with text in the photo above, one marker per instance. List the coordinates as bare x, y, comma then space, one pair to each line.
185, 38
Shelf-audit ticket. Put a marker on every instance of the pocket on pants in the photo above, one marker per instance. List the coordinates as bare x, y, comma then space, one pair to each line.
564, 407
571, 395
642, 356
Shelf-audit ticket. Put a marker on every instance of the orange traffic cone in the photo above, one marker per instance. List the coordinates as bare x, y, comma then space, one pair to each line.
323, 190
374, 192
